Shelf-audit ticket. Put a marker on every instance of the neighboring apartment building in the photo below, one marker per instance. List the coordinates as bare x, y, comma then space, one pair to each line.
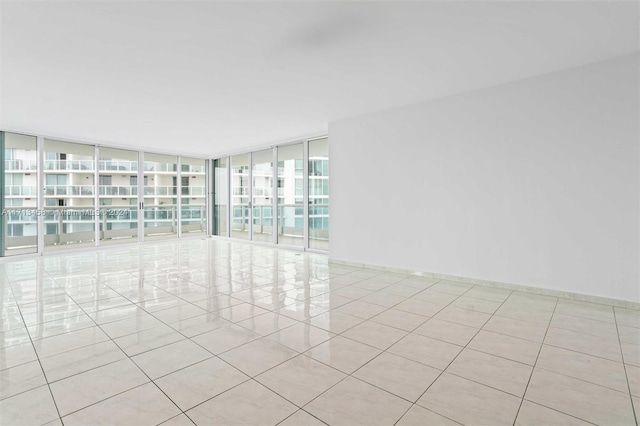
77, 188
290, 195
70, 194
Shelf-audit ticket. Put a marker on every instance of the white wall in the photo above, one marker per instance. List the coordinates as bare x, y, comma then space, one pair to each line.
534, 183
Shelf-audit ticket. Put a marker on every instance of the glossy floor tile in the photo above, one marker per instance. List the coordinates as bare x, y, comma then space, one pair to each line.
207, 331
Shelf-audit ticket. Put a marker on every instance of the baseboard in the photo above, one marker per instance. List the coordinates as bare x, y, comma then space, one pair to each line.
496, 284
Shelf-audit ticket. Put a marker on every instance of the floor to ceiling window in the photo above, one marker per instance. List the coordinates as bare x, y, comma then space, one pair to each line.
282, 190
240, 196
118, 195
262, 195
193, 195
220, 197
19, 227
60, 194
160, 196
319, 194
69, 184
291, 195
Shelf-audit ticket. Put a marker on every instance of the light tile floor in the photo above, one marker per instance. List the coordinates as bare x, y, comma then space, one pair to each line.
214, 332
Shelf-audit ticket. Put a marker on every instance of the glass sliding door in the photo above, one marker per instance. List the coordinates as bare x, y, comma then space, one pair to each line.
262, 197
19, 227
319, 194
240, 196
160, 196
220, 197
192, 196
290, 195
69, 174
118, 195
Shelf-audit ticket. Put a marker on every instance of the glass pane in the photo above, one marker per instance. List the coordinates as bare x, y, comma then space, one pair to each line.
290, 195
220, 185
263, 195
118, 193
319, 194
69, 194
194, 216
19, 203
160, 196
240, 196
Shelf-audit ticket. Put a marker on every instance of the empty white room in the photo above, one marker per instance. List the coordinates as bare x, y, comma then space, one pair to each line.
319, 212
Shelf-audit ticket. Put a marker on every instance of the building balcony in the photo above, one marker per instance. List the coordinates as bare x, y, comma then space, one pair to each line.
68, 190
86, 166
20, 165
118, 166
20, 191
118, 191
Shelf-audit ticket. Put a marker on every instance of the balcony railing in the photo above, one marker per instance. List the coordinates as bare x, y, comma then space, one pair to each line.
118, 191
160, 167
68, 190
19, 190
189, 168
103, 166
160, 190
112, 165
26, 165
194, 191
103, 190
65, 225
80, 165
287, 213
263, 192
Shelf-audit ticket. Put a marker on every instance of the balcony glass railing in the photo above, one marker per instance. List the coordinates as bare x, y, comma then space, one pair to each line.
241, 191
19, 190
27, 165
160, 167
194, 191
20, 215
160, 190
118, 191
192, 168
69, 225
65, 225
112, 191
103, 166
111, 165
67, 190
263, 192
80, 165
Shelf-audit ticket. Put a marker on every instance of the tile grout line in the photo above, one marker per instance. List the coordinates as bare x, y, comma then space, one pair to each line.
536, 362
55, 404
289, 359
304, 322
453, 360
350, 375
624, 365
125, 354
249, 378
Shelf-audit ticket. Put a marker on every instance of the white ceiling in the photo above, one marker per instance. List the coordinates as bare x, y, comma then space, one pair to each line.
212, 78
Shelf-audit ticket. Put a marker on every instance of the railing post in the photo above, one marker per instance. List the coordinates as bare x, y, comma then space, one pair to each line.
40, 188
60, 222
3, 228
104, 223
96, 196
179, 196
